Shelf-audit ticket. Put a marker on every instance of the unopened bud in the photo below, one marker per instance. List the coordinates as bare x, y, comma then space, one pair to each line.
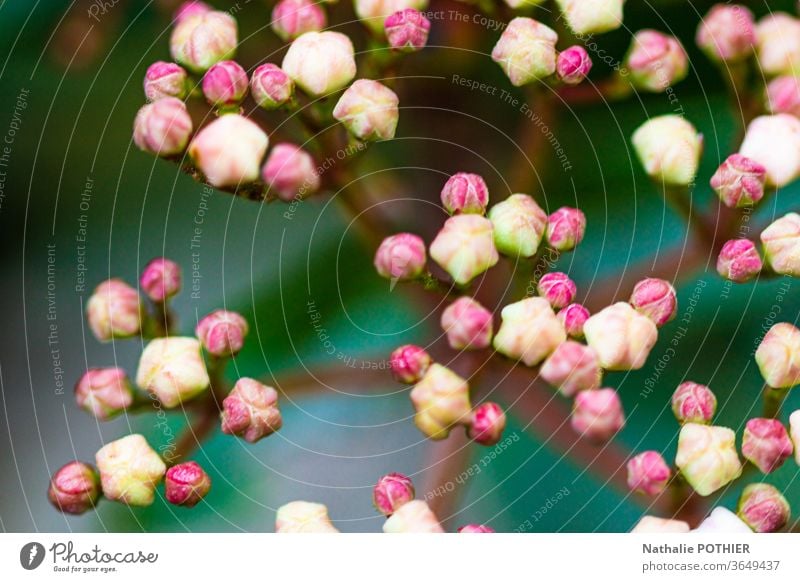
774, 142
465, 194
722, 521
203, 38
407, 30
557, 288
778, 37
163, 127
130, 470
74, 488
648, 473
270, 86
776, 356
519, 224
401, 257
573, 65
597, 414
320, 62
409, 363
222, 333
766, 444
303, 517
468, 324
104, 392
391, 492
290, 172
251, 410
413, 517
565, 228
659, 525
530, 331
161, 279
656, 61
669, 148
739, 181
441, 400
794, 433
291, 18
190, 8
526, 51
487, 424
114, 311
165, 80
473, 528
465, 247
621, 336
373, 13
763, 508
707, 457
573, 317
172, 369
572, 367
781, 241
368, 109
225, 84
727, 33
592, 16
783, 95
739, 260
186, 484
695, 403
655, 298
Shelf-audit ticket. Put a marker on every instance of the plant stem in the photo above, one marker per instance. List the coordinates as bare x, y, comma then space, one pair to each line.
773, 400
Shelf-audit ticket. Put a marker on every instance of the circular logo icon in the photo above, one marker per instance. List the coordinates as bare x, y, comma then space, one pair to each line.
31, 555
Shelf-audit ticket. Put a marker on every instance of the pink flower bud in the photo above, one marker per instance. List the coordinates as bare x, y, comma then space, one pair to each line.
621, 337
186, 484
173, 370
572, 367
222, 332
519, 225
778, 44
557, 288
468, 324
573, 65
783, 95
373, 13
474, 528
401, 257
727, 33
487, 424
165, 80
270, 86
291, 18
588, 17
368, 110
777, 356
392, 491
290, 172
74, 488
225, 84
409, 363
130, 470
707, 457
794, 432
529, 332
203, 38
229, 151
656, 61
465, 194
669, 148
251, 411
407, 30
766, 444
565, 228
303, 517
739, 260
763, 508
774, 142
104, 392
163, 127
320, 62
692, 402
465, 247
161, 279
648, 473
441, 400
722, 521
113, 310
597, 414
526, 51
656, 299
190, 8
572, 317
739, 181
781, 241
659, 525
413, 517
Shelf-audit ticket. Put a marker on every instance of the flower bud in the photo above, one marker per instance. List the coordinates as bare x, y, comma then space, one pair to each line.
794, 432
441, 400
392, 491
290, 172
778, 356
468, 324
669, 148
465, 194
592, 16
473, 528
374, 13
763, 508
722, 521
409, 363
303, 517
130, 470
557, 288
229, 150
573, 65
739, 260
656, 299
465, 247
413, 517
695, 403
190, 8
407, 30
707, 457
74, 488
487, 424
781, 241
173, 370
201, 39
222, 332
526, 51
186, 484
597, 414
291, 18
648, 473
656, 61
572, 367
270, 86
529, 332
774, 142
162, 127
519, 225
739, 181
320, 62
766, 444
225, 84
572, 317
783, 95
165, 80
161, 279
659, 525
368, 110
113, 310
727, 33
621, 336
778, 38
251, 410
104, 392
401, 257
565, 228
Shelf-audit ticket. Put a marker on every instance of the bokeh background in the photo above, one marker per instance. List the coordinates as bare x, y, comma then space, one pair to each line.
346, 421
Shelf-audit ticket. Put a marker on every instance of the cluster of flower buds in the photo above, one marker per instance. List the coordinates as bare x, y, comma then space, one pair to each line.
303, 517
393, 495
